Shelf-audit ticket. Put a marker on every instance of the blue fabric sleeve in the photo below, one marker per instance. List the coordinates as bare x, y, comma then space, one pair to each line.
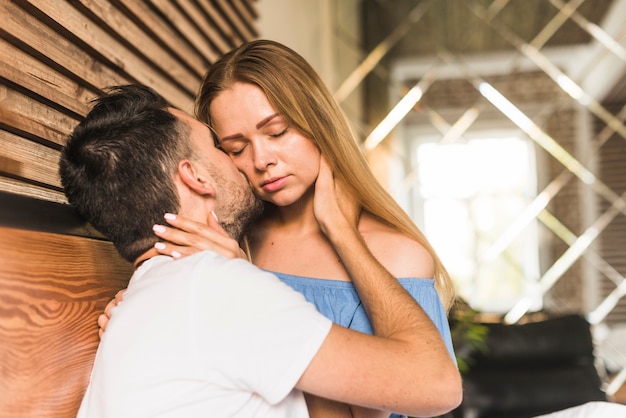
339, 301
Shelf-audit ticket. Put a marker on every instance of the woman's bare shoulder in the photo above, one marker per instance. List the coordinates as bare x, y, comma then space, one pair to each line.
400, 254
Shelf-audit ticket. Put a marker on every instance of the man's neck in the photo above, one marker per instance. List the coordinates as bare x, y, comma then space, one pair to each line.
152, 252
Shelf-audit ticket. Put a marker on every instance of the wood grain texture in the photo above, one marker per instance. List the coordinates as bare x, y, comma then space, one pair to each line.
53, 49
56, 272
22, 188
106, 47
29, 160
58, 55
52, 289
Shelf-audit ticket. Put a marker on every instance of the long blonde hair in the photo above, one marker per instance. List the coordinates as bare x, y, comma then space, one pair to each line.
295, 90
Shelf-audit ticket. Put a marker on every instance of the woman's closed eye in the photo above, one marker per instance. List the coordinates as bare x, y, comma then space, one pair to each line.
235, 152
279, 134
232, 148
236, 146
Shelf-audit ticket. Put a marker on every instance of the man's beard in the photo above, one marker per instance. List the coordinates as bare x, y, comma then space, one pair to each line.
241, 217
238, 207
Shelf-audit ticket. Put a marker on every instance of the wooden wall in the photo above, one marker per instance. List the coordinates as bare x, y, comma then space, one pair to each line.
56, 272
57, 55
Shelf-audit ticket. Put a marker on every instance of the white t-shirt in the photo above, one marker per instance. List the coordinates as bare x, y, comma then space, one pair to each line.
204, 336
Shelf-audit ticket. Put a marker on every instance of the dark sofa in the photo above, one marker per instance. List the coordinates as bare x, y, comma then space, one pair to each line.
530, 369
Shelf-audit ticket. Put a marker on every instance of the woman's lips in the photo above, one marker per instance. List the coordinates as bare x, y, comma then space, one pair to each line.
274, 184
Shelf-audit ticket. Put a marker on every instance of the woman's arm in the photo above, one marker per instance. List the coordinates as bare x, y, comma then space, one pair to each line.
406, 365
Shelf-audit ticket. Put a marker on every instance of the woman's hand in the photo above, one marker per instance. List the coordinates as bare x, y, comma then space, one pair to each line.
103, 319
333, 203
186, 237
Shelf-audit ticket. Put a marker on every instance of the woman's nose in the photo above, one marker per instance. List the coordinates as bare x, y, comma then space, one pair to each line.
264, 156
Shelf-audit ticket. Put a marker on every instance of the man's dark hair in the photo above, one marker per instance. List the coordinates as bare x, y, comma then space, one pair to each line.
118, 165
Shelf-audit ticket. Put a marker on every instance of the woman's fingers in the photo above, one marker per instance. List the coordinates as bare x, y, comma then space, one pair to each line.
119, 296
333, 200
114, 302
103, 319
185, 237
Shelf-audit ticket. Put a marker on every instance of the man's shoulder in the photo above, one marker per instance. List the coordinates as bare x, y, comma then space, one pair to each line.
203, 263
211, 264
216, 260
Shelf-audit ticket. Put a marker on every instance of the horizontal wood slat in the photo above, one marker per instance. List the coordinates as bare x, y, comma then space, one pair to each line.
194, 13
184, 26
101, 44
28, 160
58, 56
34, 119
22, 188
56, 271
230, 13
158, 28
144, 45
61, 91
52, 49
228, 31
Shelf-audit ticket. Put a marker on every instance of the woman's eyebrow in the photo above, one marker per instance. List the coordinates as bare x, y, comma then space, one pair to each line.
266, 120
258, 126
230, 137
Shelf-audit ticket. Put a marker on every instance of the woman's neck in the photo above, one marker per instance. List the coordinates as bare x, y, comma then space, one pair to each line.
298, 216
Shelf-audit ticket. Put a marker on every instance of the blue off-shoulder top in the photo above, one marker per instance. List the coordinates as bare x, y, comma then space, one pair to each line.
339, 301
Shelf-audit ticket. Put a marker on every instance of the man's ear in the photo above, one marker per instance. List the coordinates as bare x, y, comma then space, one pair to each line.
195, 179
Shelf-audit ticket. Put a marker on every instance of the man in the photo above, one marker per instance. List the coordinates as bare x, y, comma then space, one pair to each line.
211, 336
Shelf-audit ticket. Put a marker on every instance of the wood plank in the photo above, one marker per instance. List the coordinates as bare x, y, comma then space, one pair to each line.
228, 32
247, 15
143, 44
52, 289
187, 29
156, 27
34, 214
207, 28
56, 272
252, 12
230, 13
104, 45
21, 188
34, 119
28, 160
61, 91
39, 40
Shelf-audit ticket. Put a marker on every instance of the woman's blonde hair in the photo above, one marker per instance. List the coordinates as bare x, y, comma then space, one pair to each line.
295, 90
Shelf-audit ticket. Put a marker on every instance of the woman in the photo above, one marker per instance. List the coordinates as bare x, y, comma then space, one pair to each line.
271, 113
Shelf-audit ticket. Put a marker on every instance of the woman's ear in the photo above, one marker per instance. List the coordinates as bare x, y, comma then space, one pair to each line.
195, 179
